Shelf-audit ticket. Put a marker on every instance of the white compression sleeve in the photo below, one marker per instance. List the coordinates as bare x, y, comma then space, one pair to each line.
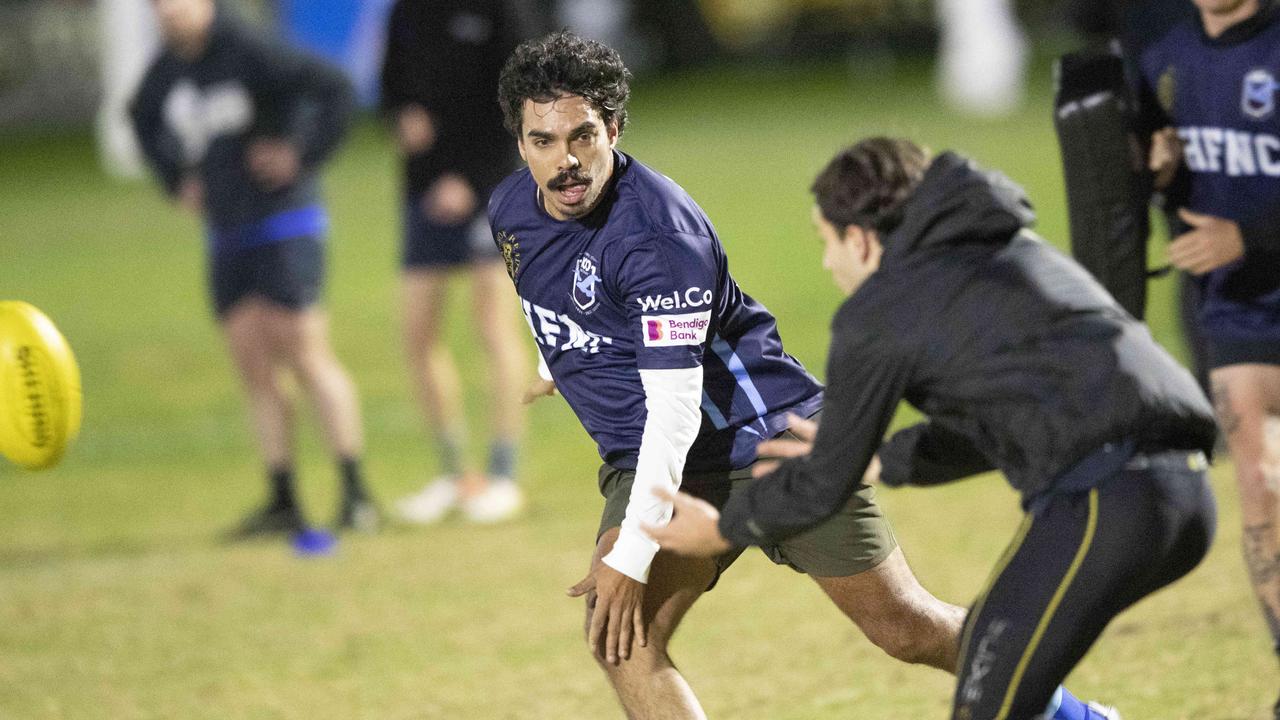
673, 400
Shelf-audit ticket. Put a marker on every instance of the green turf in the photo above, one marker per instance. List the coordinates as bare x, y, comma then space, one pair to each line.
116, 601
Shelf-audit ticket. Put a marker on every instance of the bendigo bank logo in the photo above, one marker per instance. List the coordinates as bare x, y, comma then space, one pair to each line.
672, 330
1257, 98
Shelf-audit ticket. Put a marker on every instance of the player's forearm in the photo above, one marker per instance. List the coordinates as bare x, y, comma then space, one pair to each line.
672, 401
928, 454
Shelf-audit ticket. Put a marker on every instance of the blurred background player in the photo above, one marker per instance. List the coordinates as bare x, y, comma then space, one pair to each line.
1211, 85
439, 87
236, 128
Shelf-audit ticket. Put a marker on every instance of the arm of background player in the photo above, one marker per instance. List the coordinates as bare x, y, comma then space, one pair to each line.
320, 117
398, 81
929, 454
673, 402
865, 382
162, 150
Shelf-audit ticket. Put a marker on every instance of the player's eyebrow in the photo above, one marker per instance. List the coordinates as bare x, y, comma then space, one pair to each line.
540, 135
583, 129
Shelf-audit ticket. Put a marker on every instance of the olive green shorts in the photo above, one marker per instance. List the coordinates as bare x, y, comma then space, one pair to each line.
855, 539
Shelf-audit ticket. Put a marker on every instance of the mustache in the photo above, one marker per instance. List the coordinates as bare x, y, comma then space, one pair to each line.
568, 177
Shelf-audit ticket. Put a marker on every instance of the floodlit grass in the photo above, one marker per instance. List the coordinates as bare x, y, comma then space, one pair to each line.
116, 601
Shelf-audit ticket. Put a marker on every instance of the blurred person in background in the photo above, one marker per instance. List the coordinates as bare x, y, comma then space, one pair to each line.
440, 89
1211, 86
983, 56
236, 128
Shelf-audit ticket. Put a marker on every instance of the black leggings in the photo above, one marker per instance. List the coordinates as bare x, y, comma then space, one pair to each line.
1076, 563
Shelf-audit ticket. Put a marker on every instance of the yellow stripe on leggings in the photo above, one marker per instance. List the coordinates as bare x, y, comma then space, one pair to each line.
1089, 529
1005, 559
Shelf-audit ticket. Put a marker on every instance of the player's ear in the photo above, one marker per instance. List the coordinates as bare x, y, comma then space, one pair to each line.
520, 146
611, 128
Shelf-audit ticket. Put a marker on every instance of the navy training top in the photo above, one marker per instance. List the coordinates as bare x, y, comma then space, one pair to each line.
1220, 94
642, 282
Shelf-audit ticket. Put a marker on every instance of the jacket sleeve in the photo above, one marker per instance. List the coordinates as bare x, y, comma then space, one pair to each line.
929, 454
866, 379
318, 102
403, 68
163, 150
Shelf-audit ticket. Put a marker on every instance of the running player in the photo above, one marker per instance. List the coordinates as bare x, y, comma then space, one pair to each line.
675, 373
1021, 362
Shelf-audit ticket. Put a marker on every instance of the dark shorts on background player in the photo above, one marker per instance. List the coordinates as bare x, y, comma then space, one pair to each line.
1243, 351
289, 273
853, 540
431, 245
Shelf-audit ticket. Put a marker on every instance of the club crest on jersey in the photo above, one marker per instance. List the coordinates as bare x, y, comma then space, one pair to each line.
510, 248
586, 279
1258, 97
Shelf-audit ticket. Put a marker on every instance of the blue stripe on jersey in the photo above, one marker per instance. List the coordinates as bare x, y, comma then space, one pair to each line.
713, 413
306, 221
734, 363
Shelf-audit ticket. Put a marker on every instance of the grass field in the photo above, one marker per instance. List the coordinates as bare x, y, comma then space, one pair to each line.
116, 601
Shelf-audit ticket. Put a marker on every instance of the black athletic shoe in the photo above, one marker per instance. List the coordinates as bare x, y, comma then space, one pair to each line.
267, 522
1276, 710
359, 515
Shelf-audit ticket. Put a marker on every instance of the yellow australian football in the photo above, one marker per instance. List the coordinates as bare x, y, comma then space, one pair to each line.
40, 401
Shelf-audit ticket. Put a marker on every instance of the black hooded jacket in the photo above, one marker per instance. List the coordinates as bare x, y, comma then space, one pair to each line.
1019, 359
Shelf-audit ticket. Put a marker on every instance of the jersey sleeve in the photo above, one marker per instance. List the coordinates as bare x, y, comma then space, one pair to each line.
668, 286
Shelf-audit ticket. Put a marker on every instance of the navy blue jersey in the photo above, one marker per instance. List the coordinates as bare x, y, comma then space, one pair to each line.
1221, 93
643, 283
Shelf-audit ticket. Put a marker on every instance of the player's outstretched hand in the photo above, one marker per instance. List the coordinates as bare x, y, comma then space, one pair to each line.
694, 528
1211, 243
273, 163
799, 444
1166, 156
617, 618
538, 388
450, 200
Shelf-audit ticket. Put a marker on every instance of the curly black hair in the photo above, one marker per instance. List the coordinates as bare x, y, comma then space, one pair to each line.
867, 183
564, 64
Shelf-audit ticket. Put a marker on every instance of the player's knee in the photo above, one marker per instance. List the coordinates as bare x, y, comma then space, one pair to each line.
907, 644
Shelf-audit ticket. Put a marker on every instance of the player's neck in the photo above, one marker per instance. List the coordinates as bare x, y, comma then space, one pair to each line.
1217, 23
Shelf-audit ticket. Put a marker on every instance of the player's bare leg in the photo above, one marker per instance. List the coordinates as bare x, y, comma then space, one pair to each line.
302, 340
248, 338
897, 614
431, 366
1244, 396
648, 683
248, 333
494, 307
424, 298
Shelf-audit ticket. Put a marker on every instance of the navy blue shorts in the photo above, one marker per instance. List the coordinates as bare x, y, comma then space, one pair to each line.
1243, 351
431, 245
289, 273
